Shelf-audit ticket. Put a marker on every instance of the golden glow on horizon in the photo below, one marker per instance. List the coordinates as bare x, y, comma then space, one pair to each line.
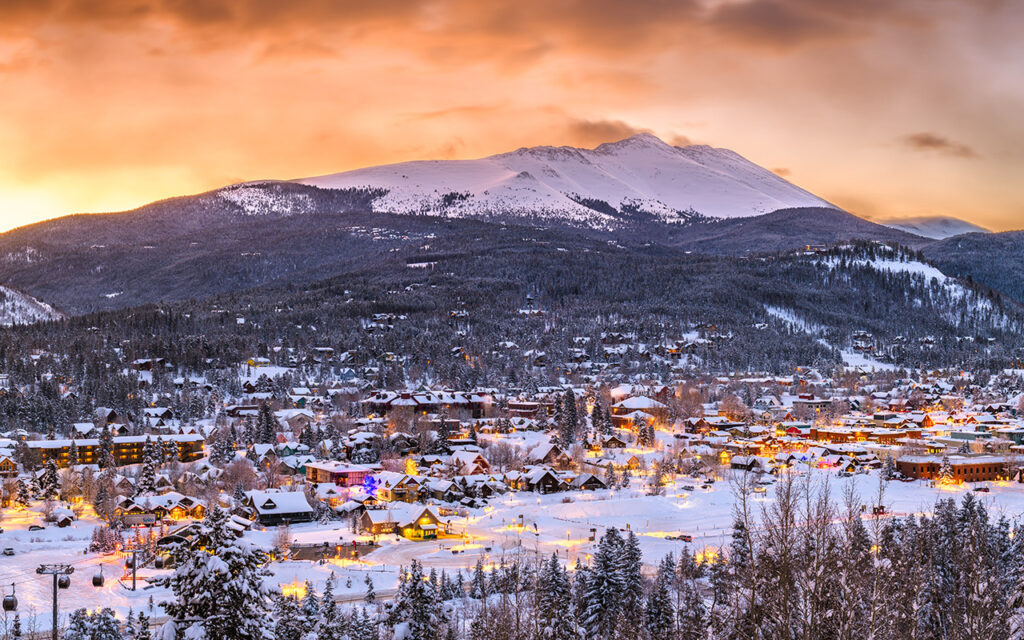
889, 110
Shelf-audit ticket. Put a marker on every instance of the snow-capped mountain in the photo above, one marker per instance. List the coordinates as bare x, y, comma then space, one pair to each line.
17, 307
599, 188
935, 227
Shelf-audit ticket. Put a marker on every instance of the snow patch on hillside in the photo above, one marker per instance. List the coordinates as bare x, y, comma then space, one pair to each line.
20, 308
935, 227
255, 200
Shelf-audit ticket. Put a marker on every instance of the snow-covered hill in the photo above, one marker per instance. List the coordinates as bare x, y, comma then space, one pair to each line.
639, 176
20, 308
935, 227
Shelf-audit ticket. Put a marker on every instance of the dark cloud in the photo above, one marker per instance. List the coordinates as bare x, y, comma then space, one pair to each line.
612, 26
926, 141
679, 140
590, 133
782, 171
774, 23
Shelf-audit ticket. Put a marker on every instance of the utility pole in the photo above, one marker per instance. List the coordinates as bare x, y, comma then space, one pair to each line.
57, 571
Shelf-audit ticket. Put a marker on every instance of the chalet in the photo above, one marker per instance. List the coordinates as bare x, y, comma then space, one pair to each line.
543, 480
414, 522
588, 482
551, 455
397, 487
8, 467
468, 463
649, 406
150, 509
273, 507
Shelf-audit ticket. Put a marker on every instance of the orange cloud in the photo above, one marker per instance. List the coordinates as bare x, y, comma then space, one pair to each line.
109, 104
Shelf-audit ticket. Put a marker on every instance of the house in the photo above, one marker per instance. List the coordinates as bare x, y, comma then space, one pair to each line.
397, 487
415, 522
8, 467
588, 482
339, 473
649, 406
150, 509
551, 455
543, 480
468, 463
273, 507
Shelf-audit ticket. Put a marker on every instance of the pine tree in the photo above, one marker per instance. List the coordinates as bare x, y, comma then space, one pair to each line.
605, 589
630, 564
218, 586
945, 471
416, 608
105, 450
289, 622
332, 623
146, 483
142, 628
478, 585
554, 602
73, 454
266, 425
101, 625
310, 609
371, 595
659, 620
568, 419
49, 482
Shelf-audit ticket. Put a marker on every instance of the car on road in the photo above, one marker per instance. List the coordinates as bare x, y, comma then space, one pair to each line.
8, 551
683, 537
36, 527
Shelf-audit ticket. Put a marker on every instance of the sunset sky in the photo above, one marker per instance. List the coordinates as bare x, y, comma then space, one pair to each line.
887, 108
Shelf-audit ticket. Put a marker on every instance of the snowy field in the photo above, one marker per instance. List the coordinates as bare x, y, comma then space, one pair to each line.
523, 525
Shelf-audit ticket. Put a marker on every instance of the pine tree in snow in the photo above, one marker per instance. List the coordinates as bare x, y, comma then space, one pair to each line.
478, 586
266, 425
632, 584
605, 589
332, 624
659, 619
289, 622
102, 625
105, 451
310, 607
146, 483
371, 595
218, 586
49, 482
416, 613
554, 602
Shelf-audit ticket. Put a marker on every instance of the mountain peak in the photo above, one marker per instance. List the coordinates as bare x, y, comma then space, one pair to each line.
641, 140
607, 186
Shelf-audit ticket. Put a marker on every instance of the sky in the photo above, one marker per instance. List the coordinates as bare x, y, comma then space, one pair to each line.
888, 109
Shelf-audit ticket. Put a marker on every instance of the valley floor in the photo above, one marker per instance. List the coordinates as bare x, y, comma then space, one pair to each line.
523, 525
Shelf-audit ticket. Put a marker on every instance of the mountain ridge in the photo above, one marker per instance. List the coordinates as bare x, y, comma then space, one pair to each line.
596, 188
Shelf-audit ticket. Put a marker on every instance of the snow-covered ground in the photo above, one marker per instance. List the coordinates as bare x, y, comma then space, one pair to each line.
524, 525
17, 307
